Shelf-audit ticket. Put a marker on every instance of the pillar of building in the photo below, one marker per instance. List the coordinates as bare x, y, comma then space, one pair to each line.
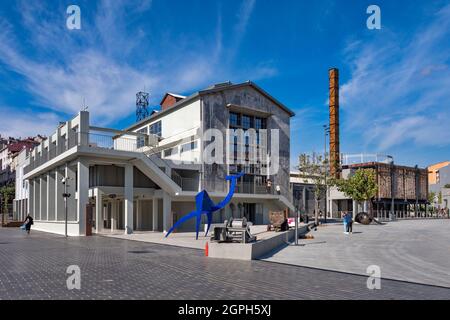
51, 196
43, 196
59, 199
83, 194
98, 210
70, 175
167, 212
138, 213
128, 199
113, 214
83, 129
37, 199
155, 214
31, 198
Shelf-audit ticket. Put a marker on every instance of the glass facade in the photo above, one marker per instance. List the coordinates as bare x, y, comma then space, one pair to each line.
156, 128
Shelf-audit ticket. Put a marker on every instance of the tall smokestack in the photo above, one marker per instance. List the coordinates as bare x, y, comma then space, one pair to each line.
333, 75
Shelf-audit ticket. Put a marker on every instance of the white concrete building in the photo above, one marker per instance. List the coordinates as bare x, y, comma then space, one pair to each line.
129, 180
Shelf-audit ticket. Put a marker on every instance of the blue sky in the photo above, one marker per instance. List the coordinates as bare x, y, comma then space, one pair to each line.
395, 94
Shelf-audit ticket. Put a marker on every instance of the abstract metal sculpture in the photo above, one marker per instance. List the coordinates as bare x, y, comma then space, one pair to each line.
204, 205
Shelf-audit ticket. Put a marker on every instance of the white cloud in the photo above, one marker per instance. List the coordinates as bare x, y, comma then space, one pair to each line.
95, 64
26, 123
403, 85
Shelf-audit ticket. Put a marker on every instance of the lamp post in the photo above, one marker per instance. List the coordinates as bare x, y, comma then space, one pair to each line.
65, 196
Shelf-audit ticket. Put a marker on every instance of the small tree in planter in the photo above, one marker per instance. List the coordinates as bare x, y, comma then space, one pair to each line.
361, 186
315, 168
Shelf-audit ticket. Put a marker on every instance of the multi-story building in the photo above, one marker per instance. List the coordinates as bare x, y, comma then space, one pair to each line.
146, 176
8, 153
439, 183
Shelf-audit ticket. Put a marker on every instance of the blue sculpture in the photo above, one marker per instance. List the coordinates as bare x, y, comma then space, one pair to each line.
204, 205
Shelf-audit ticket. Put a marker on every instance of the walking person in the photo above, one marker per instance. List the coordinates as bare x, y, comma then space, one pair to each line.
28, 222
344, 220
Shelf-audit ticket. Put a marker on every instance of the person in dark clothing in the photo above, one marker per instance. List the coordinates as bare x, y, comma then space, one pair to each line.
28, 222
350, 223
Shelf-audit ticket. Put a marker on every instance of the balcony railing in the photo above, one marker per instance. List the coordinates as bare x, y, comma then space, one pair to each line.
131, 143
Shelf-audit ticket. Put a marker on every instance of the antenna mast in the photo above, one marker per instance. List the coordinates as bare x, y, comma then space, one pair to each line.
142, 105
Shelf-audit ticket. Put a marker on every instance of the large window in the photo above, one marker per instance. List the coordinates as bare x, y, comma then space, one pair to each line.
170, 152
235, 119
189, 146
246, 122
141, 140
156, 128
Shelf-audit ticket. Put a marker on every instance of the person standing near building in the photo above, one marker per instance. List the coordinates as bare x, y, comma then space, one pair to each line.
344, 220
349, 223
28, 222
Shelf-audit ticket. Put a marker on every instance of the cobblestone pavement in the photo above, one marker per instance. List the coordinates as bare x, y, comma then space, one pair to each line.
410, 250
34, 267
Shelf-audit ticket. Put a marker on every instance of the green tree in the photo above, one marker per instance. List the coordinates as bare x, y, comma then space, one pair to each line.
361, 186
431, 197
7, 193
314, 168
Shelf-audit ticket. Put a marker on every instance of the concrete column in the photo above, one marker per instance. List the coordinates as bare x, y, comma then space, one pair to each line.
83, 129
37, 198
355, 208
167, 212
128, 199
31, 198
51, 216
59, 199
304, 199
43, 196
138, 212
113, 214
70, 174
155, 213
83, 194
98, 210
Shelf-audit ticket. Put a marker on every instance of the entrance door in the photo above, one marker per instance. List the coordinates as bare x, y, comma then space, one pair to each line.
89, 219
250, 212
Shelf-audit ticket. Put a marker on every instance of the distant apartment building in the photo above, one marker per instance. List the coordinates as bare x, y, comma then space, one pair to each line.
439, 183
10, 149
146, 176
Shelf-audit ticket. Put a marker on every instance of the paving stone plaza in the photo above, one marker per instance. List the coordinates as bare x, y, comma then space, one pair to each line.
34, 267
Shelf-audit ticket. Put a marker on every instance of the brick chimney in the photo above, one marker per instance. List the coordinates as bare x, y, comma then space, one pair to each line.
333, 75
169, 100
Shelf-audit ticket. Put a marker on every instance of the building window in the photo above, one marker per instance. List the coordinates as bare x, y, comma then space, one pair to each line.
234, 119
260, 123
171, 151
141, 139
156, 128
246, 122
189, 146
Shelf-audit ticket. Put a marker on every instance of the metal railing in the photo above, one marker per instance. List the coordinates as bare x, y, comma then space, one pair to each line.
51, 152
